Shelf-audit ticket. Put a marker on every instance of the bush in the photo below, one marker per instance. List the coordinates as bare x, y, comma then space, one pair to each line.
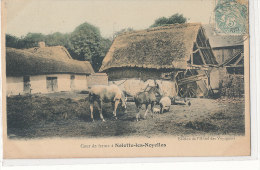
232, 86
26, 111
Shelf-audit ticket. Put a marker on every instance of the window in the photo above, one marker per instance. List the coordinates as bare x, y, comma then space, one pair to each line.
72, 82
52, 84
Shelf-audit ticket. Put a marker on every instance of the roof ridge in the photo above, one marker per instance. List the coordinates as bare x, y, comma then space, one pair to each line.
44, 47
66, 51
164, 27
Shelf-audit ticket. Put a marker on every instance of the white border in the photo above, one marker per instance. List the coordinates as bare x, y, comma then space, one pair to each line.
254, 73
255, 96
84, 161
1, 112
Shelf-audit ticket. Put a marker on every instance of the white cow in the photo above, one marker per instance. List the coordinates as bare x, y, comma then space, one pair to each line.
165, 104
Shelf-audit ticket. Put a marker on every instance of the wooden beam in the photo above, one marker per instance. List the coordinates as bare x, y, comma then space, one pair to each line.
191, 79
230, 59
239, 59
191, 58
195, 51
209, 54
204, 48
201, 37
235, 66
197, 67
202, 57
207, 43
203, 44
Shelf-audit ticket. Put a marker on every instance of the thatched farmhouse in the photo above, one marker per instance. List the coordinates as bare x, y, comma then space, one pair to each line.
45, 69
179, 57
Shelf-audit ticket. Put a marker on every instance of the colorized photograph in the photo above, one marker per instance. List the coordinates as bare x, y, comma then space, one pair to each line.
125, 69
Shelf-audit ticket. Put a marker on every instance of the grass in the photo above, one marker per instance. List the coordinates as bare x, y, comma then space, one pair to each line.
68, 115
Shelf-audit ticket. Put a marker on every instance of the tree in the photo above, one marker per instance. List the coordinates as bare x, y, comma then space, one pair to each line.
11, 41
85, 43
174, 19
58, 38
31, 40
88, 45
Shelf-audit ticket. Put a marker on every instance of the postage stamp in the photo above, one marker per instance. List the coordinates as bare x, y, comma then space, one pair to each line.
231, 17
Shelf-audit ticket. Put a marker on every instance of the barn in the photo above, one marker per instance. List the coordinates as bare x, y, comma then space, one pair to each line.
44, 70
228, 50
229, 53
224, 46
178, 57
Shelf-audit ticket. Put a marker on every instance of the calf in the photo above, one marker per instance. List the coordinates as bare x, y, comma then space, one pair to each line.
156, 110
165, 104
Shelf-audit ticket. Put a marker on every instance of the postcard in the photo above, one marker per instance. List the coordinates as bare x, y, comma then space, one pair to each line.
125, 78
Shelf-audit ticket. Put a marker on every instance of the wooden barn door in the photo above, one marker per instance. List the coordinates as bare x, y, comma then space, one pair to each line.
26, 84
52, 84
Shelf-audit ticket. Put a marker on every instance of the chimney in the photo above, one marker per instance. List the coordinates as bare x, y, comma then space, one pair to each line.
41, 44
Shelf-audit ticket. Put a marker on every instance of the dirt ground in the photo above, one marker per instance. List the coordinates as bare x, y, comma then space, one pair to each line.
67, 115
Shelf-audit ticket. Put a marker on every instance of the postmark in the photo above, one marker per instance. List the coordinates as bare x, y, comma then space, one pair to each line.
231, 17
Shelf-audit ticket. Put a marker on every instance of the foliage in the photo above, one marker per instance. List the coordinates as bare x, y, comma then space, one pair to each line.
174, 19
11, 41
32, 39
88, 44
85, 43
232, 86
123, 31
58, 39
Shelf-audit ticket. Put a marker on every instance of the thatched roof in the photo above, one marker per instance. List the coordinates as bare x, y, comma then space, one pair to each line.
28, 62
58, 52
164, 47
217, 41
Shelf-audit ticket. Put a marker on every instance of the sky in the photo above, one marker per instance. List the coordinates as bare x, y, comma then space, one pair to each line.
110, 16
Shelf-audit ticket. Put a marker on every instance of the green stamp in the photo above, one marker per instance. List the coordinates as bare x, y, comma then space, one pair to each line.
231, 17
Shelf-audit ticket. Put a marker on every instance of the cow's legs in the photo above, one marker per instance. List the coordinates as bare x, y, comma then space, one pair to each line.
137, 112
91, 111
100, 110
147, 110
115, 108
91, 106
